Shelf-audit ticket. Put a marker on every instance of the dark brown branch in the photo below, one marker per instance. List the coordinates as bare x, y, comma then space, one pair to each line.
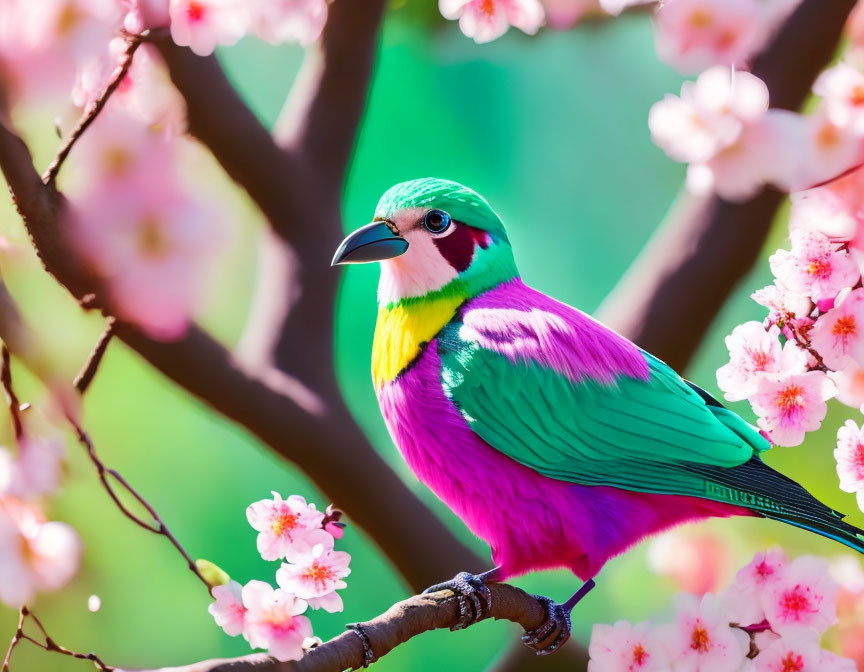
401, 622
320, 120
321, 437
93, 110
91, 366
11, 397
236, 138
301, 201
675, 288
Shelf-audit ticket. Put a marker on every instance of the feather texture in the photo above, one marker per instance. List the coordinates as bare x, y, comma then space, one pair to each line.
530, 521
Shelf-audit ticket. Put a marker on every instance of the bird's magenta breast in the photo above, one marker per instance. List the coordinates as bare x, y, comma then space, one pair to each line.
513, 508
531, 522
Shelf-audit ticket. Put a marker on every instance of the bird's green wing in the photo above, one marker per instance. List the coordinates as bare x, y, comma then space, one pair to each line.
658, 435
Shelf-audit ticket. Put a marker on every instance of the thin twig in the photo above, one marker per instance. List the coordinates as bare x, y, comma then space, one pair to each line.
16, 638
48, 645
11, 398
159, 528
90, 114
88, 372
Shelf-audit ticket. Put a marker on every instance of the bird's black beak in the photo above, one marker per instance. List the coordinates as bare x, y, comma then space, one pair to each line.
373, 242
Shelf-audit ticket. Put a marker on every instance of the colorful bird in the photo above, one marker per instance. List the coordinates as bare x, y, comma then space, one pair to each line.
556, 440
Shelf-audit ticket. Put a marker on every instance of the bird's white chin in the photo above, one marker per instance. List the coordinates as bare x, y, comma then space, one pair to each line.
419, 271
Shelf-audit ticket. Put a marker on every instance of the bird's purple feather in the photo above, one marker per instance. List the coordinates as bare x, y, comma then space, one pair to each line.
524, 324
530, 521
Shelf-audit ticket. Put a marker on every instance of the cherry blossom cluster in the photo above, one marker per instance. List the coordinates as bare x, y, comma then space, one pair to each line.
734, 145
810, 347
690, 35
146, 232
150, 237
47, 45
771, 619
302, 538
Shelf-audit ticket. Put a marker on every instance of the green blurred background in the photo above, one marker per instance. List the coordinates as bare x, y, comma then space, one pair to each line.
552, 130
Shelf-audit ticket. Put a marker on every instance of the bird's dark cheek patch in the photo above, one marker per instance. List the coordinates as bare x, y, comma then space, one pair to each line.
458, 247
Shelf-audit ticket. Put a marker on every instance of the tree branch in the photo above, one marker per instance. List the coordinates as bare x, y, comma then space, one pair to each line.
320, 120
674, 289
401, 622
313, 429
91, 366
219, 118
292, 322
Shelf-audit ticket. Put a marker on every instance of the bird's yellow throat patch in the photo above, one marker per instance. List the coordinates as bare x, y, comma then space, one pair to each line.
403, 329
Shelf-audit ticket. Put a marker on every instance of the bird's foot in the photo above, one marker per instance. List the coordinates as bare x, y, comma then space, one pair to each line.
368, 655
557, 624
472, 595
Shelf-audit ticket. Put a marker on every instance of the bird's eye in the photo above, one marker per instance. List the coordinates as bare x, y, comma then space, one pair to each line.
436, 221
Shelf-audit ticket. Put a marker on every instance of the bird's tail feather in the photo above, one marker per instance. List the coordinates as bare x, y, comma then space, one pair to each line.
756, 486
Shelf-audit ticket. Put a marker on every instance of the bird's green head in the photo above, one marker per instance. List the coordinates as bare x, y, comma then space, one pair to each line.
432, 236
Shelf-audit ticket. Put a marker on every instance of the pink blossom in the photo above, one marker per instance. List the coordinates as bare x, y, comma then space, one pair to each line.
145, 14
288, 528
743, 599
801, 654
228, 610
119, 148
316, 577
44, 42
696, 562
146, 95
34, 555
835, 209
280, 21
202, 25
782, 303
35, 470
855, 32
827, 151
753, 352
849, 382
564, 14
151, 244
487, 20
709, 115
814, 266
842, 88
849, 455
702, 641
760, 155
782, 148
692, 35
838, 335
791, 404
626, 648
763, 639
831, 662
273, 621
804, 597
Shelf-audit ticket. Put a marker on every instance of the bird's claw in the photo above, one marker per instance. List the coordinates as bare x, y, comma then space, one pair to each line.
368, 654
557, 621
472, 596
